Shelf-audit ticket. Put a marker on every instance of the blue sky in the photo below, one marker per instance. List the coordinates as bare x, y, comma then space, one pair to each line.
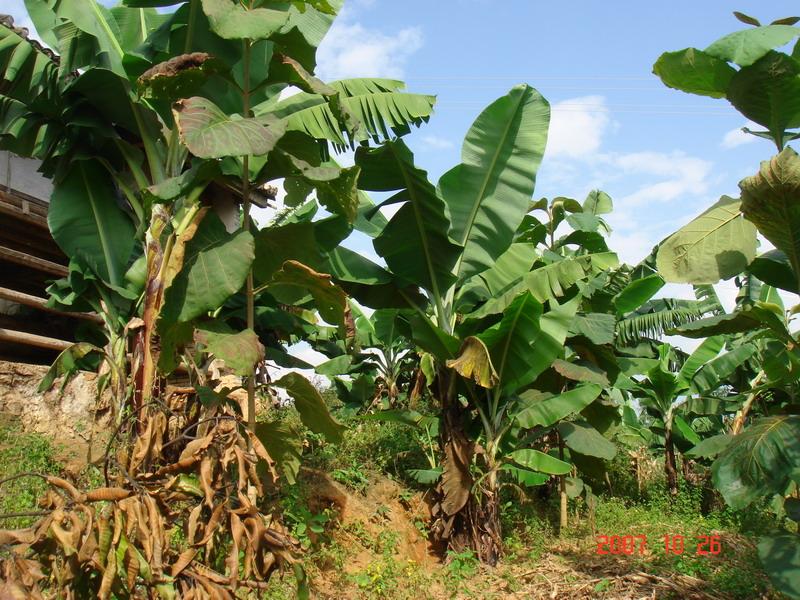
662, 155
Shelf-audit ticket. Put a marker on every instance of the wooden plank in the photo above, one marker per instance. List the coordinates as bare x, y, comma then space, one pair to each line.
41, 304
30, 218
31, 339
37, 205
26, 260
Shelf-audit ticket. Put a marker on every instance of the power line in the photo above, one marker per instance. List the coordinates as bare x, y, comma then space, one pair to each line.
603, 106
559, 87
531, 78
642, 111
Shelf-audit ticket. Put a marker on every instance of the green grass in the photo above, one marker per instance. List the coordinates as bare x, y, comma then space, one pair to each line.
20, 453
368, 448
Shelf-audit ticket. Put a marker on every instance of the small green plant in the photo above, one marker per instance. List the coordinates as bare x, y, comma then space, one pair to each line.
602, 585
461, 565
406, 496
313, 524
422, 527
382, 513
379, 578
307, 527
353, 477
387, 542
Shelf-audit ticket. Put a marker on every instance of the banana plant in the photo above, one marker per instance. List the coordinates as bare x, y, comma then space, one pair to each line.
747, 69
491, 307
147, 124
387, 353
669, 394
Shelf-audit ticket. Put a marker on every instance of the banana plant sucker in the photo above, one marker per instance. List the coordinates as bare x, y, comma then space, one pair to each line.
667, 390
670, 460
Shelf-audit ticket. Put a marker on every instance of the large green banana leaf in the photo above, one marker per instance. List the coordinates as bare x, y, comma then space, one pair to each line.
88, 22
136, 24
381, 107
545, 412
232, 21
525, 342
28, 82
771, 200
85, 220
695, 72
759, 461
487, 195
215, 266
717, 244
548, 281
509, 342
26, 72
414, 243
745, 47
311, 406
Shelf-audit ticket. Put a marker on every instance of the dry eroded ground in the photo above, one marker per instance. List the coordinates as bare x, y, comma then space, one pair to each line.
377, 551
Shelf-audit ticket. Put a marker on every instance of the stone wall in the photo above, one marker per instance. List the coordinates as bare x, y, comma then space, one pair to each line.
65, 417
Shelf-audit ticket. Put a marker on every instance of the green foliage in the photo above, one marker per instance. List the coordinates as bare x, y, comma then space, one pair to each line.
311, 406
586, 440
537, 410
770, 200
215, 266
380, 105
763, 88
460, 566
487, 195
695, 72
780, 555
84, 220
419, 229
747, 46
531, 350
716, 245
230, 20
761, 462
209, 133
240, 350
23, 453
370, 447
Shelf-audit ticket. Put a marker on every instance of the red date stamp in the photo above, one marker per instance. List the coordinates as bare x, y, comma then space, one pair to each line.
672, 544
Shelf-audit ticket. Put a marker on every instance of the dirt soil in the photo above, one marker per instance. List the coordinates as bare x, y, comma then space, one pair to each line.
380, 509
570, 569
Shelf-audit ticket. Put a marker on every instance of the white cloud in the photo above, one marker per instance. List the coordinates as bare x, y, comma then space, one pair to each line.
352, 50
667, 183
577, 127
631, 247
737, 137
683, 175
432, 142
